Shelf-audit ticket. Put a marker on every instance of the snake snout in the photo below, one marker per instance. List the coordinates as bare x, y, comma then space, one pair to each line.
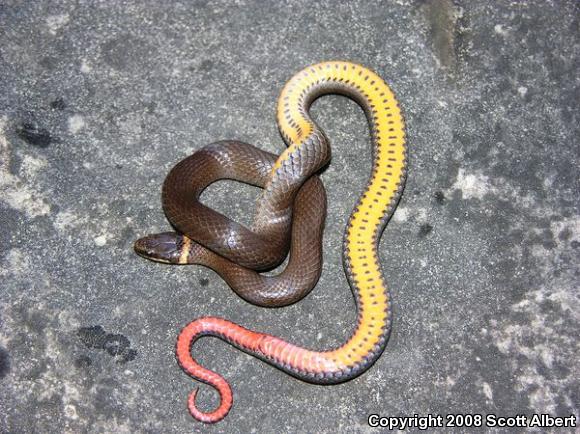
163, 247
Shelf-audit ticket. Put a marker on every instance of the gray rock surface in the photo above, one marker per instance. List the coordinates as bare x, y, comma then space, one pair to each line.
100, 99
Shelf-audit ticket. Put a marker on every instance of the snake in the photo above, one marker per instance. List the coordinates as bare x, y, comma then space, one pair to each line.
291, 191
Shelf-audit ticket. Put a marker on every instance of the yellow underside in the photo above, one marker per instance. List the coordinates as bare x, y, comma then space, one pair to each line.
383, 188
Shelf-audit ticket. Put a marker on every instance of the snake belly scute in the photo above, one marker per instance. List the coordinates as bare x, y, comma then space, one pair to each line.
307, 151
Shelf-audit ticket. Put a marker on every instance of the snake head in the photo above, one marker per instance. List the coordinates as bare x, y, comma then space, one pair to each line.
167, 247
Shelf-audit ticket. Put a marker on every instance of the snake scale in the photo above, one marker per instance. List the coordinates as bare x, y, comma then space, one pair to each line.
289, 216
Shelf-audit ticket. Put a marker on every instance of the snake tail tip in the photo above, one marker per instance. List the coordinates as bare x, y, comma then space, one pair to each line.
212, 417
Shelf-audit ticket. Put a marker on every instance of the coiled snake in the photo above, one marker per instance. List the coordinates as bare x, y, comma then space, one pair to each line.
290, 214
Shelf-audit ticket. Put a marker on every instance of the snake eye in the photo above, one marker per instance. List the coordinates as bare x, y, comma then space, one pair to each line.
164, 247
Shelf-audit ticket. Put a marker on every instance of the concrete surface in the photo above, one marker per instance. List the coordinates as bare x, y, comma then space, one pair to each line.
100, 99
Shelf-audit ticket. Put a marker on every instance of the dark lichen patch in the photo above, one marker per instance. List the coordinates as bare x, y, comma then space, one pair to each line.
127, 237
49, 403
128, 52
105, 401
151, 107
92, 337
560, 370
34, 321
35, 371
128, 356
116, 345
15, 164
48, 62
11, 219
440, 197
548, 307
494, 366
447, 28
206, 65
565, 234
83, 362
120, 206
4, 363
58, 104
204, 281
34, 135
544, 238
425, 229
